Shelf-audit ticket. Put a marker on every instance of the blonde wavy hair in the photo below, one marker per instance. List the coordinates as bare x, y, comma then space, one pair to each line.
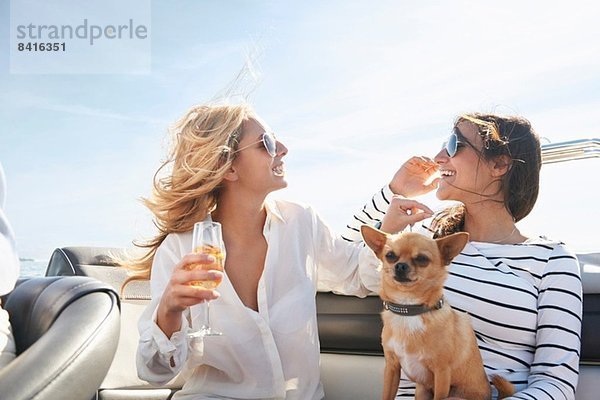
205, 140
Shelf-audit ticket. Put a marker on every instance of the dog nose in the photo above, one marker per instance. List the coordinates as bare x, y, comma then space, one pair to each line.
401, 271
401, 268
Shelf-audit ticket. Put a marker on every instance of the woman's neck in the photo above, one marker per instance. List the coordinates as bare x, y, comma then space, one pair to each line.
241, 217
491, 223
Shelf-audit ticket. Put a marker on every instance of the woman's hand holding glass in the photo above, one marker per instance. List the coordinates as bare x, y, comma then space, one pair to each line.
207, 240
180, 295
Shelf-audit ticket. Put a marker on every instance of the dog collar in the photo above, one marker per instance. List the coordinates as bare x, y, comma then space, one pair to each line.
410, 310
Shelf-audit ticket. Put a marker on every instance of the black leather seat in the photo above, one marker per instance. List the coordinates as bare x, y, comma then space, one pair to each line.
66, 332
122, 381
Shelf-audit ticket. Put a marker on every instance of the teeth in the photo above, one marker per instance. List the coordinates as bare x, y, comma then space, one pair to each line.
435, 175
278, 170
447, 173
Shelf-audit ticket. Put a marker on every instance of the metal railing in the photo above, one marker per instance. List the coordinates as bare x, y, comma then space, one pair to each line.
571, 150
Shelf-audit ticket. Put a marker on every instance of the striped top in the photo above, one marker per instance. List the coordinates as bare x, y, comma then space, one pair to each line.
525, 303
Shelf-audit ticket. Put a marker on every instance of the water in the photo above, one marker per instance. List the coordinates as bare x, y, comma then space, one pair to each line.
31, 268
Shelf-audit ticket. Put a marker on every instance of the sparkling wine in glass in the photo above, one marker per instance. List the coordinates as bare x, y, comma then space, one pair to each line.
207, 239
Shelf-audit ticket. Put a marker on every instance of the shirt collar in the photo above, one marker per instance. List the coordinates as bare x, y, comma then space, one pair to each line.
272, 208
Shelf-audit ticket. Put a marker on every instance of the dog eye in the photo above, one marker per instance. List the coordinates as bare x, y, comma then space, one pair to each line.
391, 257
421, 260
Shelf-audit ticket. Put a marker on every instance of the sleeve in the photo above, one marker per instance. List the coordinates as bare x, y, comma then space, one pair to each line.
555, 368
370, 214
9, 261
337, 263
159, 358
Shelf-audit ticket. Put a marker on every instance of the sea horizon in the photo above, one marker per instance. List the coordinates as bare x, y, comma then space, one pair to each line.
32, 268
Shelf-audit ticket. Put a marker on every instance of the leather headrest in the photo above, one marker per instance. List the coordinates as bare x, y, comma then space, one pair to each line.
36, 303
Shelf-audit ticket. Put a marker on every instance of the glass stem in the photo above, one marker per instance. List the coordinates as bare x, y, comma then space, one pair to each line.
206, 306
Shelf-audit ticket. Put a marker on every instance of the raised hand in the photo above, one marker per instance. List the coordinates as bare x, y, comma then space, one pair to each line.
403, 212
412, 179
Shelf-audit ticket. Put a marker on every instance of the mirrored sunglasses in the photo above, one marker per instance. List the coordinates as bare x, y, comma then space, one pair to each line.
270, 143
268, 140
452, 145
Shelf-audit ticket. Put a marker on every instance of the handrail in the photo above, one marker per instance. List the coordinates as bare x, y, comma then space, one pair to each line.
570, 150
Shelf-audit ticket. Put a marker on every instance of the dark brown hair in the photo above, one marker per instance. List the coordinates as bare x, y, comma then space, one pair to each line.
510, 136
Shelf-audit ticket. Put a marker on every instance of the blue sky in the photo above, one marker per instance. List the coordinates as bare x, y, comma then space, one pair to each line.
353, 88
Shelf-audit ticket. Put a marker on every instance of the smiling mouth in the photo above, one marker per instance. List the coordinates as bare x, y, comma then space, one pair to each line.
279, 170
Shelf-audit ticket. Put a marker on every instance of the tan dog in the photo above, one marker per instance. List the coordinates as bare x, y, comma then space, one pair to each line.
434, 345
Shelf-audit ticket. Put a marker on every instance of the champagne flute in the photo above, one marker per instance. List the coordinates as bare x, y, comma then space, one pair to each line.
207, 239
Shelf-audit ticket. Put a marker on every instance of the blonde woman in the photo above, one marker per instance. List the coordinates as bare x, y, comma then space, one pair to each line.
224, 163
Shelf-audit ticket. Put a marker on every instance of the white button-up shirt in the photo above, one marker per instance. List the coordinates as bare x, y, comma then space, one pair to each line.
269, 354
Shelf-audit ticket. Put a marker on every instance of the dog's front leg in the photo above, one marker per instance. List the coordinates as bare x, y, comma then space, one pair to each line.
441, 383
391, 375
422, 392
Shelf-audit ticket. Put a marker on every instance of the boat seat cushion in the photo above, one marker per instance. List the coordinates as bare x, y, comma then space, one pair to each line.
66, 331
121, 381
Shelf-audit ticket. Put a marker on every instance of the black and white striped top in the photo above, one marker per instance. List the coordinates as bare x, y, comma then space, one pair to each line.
525, 303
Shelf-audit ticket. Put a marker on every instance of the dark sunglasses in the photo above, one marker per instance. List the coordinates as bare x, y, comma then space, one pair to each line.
452, 145
268, 140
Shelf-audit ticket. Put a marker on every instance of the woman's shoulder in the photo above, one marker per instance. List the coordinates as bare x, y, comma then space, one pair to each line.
289, 208
540, 251
556, 253
543, 242
177, 237
177, 244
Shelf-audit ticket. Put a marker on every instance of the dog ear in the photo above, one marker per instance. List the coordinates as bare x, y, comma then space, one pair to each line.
450, 246
374, 238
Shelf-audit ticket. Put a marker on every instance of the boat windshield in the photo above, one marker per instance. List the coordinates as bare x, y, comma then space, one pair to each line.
567, 207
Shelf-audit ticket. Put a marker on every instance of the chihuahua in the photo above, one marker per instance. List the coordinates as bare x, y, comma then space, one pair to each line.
433, 344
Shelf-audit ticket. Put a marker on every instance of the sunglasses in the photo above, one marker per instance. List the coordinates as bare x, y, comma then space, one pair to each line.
268, 140
452, 145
